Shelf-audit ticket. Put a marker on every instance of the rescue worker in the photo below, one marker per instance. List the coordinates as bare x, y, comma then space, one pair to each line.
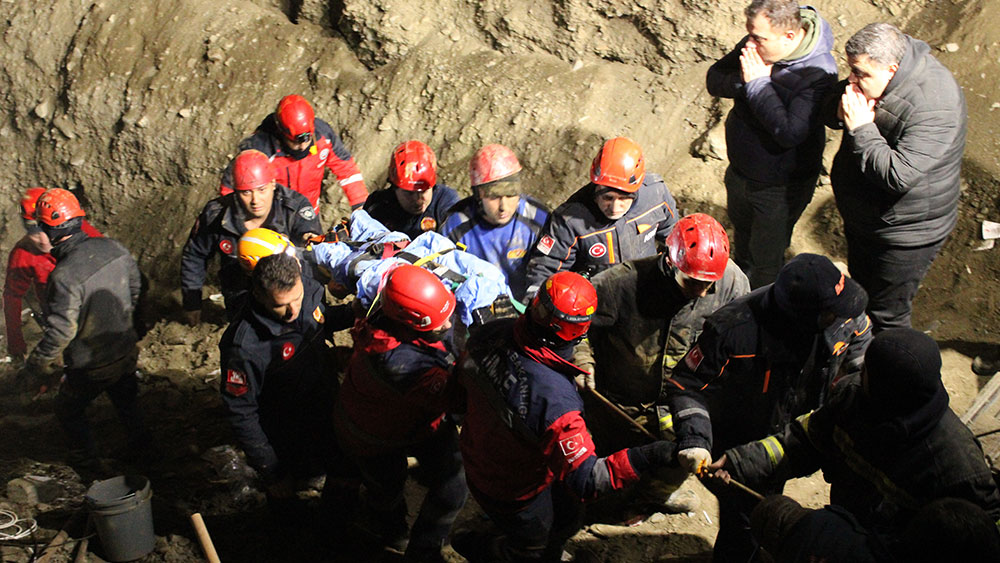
649, 314
91, 296
620, 215
414, 201
302, 148
527, 450
498, 223
277, 380
28, 267
947, 529
392, 405
259, 201
760, 361
888, 444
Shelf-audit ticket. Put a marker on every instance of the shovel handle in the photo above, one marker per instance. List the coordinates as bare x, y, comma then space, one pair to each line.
204, 539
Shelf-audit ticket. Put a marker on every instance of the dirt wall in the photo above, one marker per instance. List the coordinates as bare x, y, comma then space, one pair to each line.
138, 105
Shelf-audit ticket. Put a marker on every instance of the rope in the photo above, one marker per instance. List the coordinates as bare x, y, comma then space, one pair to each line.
14, 528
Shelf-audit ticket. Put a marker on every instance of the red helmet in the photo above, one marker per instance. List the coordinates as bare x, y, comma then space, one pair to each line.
417, 298
57, 206
28, 203
699, 247
413, 167
569, 301
252, 169
492, 163
295, 118
619, 165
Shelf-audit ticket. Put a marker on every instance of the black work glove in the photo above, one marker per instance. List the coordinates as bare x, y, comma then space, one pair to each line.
662, 453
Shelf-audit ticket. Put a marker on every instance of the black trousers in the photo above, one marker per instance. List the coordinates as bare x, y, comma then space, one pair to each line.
441, 470
81, 387
891, 275
764, 217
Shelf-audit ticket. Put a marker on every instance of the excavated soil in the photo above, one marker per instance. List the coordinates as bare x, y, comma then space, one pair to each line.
138, 105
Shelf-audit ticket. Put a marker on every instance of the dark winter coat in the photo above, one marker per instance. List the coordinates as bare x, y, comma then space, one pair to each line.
579, 238
277, 382
754, 369
882, 471
896, 180
644, 325
91, 296
774, 133
218, 230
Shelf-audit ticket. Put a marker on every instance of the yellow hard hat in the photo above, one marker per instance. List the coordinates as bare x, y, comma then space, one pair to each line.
258, 243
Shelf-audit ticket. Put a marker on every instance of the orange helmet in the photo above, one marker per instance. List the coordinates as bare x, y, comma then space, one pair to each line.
252, 169
416, 298
699, 247
28, 203
413, 167
569, 302
57, 206
295, 118
260, 242
619, 165
492, 163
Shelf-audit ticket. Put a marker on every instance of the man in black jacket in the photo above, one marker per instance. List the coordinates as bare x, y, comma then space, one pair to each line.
92, 295
277, 380
896, 175
762, 360
259, 201
888, 445
777, 77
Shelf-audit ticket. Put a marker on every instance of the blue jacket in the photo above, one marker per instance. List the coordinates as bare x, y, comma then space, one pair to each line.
505, 246
774, 133
384, 208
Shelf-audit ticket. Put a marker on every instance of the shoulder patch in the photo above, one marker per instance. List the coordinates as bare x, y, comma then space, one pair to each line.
573, 448
226, 246
598, 250
318, 315
428, 224
287, 351
236, 382
694, 358
323, 155
307, 213
545, 244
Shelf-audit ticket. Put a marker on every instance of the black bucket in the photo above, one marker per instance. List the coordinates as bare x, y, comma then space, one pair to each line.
122, 513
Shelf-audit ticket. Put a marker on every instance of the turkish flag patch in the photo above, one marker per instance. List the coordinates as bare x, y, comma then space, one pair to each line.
287, 351
572, 445
694, 357
598, 250
236, 382
545, 244
226, 246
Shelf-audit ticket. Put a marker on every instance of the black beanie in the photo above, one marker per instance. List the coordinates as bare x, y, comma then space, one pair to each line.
903, 371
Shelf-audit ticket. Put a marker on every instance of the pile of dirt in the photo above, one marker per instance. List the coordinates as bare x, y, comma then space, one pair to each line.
138, 106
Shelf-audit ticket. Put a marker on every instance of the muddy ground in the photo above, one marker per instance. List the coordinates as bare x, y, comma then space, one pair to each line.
138, 105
